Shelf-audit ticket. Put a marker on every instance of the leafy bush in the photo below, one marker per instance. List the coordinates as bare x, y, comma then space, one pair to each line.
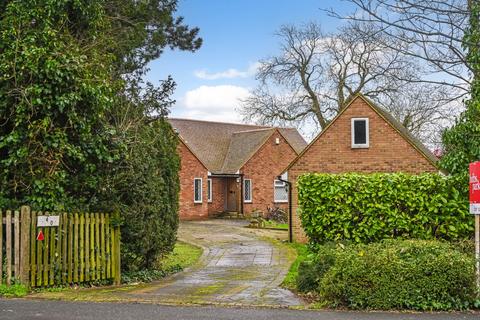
400, 274
15, 290
311, 271
147, 197
368, 208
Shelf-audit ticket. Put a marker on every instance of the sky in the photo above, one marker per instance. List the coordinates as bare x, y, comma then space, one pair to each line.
236, 35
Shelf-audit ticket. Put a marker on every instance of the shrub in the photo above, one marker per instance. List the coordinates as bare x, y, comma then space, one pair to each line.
312, 270
146, 195
15, 290
401, 274
368, 208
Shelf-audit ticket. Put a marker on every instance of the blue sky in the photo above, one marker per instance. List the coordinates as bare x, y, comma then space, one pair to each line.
236, 35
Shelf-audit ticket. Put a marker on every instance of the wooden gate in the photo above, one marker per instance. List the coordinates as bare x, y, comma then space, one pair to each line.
83, 247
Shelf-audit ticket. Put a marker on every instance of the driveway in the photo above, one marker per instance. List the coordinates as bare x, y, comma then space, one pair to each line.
238, 267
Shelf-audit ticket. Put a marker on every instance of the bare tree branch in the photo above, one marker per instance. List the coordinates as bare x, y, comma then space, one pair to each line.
315, 74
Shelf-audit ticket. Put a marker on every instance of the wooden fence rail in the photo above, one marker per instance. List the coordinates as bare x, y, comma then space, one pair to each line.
83, 247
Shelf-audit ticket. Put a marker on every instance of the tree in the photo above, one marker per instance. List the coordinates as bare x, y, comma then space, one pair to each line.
143, 185
462, 141
54, 95
433, 30
79, 129
141, 30
318, 72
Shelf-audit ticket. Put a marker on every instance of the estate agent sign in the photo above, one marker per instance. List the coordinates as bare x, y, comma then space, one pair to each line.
475, 187
475, 209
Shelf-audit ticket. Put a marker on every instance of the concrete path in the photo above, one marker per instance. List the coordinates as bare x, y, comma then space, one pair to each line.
58, 310
238, 267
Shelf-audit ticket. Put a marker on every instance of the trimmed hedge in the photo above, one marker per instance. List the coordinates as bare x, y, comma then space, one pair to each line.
369, 208
400, 274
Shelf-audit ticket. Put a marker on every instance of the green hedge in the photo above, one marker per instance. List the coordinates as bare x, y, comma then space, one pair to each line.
368, 208
399, 274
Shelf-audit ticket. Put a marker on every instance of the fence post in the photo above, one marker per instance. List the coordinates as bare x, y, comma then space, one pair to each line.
25, 232
118, 264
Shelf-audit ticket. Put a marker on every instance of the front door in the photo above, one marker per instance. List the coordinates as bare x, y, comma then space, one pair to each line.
232, 195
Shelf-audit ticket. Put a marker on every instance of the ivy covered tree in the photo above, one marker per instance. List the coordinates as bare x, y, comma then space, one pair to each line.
462, 141
54, 95
78, 127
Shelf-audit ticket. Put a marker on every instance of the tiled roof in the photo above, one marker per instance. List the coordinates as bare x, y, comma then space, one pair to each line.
225, 147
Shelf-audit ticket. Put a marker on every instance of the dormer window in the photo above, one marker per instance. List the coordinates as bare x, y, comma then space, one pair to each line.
360, 133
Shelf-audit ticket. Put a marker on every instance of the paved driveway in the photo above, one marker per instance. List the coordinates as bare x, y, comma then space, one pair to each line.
238, 267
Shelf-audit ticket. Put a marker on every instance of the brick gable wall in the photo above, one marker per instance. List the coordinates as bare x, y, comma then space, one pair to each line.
263, 167
191, 168
332, 153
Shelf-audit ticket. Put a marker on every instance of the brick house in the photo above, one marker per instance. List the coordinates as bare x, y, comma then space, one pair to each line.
364, 138
228, 167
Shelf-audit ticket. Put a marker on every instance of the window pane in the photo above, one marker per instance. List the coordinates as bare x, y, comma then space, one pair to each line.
280, 191
197, 190
247, 190
209, 189
360, 132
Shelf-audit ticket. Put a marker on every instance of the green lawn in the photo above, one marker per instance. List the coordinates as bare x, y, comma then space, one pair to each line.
183, 256
275, 225
290, 281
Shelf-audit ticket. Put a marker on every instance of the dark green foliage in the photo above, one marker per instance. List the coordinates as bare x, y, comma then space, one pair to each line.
312, 270
147, 190
400, 274
53, 98
79, 129
141, 30
368, 208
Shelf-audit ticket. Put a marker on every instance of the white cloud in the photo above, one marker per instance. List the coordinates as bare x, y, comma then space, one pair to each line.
228, 74
215, 103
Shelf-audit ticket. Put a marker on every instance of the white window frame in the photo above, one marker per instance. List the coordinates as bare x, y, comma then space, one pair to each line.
279, 183
367, 134
209, 190
250, 194
201, 190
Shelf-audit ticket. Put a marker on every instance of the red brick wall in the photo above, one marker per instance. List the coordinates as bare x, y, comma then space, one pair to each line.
332, 153
191, 168
264, 166
218, 196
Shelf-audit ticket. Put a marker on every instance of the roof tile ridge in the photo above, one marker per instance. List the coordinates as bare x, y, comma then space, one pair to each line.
219, 122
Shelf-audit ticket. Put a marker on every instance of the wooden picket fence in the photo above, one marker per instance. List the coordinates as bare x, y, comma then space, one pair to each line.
84, 247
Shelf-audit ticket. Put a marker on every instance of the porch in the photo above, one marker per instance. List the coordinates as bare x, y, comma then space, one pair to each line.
225, 194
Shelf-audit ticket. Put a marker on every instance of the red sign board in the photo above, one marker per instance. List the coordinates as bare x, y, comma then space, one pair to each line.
475, 187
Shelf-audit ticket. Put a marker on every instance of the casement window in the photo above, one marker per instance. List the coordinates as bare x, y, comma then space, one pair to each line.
247, 190
197, 190
280, 192
209, 190
360, 133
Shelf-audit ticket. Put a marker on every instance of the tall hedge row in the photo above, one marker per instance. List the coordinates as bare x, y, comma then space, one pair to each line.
368, 208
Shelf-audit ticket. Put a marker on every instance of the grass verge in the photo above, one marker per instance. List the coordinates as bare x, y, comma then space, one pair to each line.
290, 281
184, 255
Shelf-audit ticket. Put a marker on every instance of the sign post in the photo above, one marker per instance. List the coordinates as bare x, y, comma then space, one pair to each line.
475, 210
